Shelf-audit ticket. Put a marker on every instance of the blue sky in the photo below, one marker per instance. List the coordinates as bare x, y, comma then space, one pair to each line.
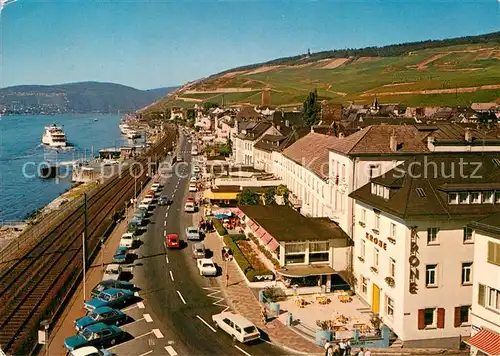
148, 44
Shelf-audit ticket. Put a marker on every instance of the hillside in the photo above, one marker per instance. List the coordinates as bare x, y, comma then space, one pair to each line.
85, 97
452, 72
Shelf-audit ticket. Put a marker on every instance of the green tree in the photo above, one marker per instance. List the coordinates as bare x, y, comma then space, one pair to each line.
226, 149
283, 191
190, 114
312, 109
269, 196
487, 117
207, 105
247, 197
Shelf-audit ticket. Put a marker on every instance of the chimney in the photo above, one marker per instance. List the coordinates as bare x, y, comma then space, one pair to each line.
312, 129
287, 123
468, 135
393, 143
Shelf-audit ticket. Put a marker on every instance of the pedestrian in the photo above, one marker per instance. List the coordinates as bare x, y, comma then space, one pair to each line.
336, 350
327, 346
342, 347
330, 351
361, 352
368, 353
264, 315
348, 348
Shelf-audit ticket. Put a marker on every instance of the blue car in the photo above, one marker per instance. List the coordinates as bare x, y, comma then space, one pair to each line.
120, 255
104, 315
98, 334
108, 284
112, 298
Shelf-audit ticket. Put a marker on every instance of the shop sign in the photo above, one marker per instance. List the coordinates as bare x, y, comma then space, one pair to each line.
413, 261
376, 241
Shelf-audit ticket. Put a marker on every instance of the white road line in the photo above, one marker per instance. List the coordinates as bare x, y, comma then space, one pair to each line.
182, 298
126, 342
146, 353
172, 276
171, 351
166, 259
158, 333
135, 321
130, 307
148, 318
207, 324
239, 348
165, 223
164, 235
166, 214
140, 305
136, 294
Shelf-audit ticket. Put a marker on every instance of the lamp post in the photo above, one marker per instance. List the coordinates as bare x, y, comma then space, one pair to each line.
102, 253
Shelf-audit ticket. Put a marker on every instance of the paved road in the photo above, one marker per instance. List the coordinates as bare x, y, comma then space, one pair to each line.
177, 301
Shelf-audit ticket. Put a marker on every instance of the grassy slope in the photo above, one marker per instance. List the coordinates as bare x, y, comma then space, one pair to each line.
360, 79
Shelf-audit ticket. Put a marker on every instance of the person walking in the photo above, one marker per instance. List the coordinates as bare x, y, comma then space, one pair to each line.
348, 348
330, 351
368, 353
361, 352
327, 346
342, 347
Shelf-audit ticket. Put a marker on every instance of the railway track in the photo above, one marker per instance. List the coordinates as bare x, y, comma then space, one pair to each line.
30, 282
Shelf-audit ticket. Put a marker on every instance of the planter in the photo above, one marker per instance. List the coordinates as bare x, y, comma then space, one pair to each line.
390, 281
322, 336
362, 224
374, 269
361, 259
391, 240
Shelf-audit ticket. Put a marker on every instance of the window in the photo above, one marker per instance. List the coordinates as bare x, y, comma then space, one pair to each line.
493, 253
390, 306
343, 172
493, 298
364, 285
299, 247
374, 189
429, 318
431, 276
299, 258
363, 215
363, 249
377, 222
393, 230
319, 251
466, 273
392, 267
432, 235
452, 198
497, 197
463, 198
488, 197
295, 252
462, 315
475, 198
375, 257
467, 234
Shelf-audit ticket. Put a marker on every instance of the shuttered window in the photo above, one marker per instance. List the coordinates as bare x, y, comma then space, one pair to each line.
461, 315
440, 318
421, 319
493, 253
481, 300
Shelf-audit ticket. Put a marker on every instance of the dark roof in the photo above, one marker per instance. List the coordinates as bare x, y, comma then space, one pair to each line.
271, 143
419, 186
238, 188
286, 224
248, 113
455, 133
254, 130
489, 224
358, 123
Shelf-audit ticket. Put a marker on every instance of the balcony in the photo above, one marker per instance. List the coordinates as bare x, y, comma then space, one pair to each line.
296, 202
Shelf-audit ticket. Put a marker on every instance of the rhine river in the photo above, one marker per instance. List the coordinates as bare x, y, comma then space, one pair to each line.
20, 146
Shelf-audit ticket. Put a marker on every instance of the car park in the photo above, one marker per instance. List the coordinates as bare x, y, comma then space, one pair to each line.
236, 325
98, 334
147, 200
199, 250
144, 206
141, 214
90, 351
172, 241
109, 284
112, 271
121, 255
164, 200
106, 315
192, 187
206, 267
127, 240
112, 298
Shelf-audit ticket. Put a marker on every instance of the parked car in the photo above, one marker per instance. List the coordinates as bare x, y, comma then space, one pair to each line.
112, 271
109, 284
192, 233
237, 326
192, 187
90, 351
196, 169
141, 213
179, 158
106, 315
98, 334
155, 187
121, 255
199, 250
206, 267
127, 240
189, 206
164, 200
147, 200
172, 241
112, 298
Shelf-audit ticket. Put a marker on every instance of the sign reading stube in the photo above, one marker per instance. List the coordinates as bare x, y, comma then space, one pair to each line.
376, 241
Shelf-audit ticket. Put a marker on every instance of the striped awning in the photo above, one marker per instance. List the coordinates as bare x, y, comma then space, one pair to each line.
251, 224
272, 245
487, 341
266, 238
260, 232
238, 212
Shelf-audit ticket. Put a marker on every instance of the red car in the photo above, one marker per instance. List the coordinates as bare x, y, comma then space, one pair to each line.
173, 241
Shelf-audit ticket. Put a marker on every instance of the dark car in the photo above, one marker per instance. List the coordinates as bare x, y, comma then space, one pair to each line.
106, 315
98, 334
111, 284
121, 255
112, 298
165, 200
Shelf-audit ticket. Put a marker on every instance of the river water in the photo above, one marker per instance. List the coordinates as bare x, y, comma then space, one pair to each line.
21, 190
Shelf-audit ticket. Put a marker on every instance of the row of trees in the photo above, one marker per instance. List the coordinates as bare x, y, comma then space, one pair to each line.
249, 197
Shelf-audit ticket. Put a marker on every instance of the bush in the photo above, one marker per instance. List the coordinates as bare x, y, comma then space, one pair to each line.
221, 230
237, 237
254, 239
274, 294
239, 257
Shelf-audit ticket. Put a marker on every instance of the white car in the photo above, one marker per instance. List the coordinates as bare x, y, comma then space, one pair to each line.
112, 271
90, 351
193, 179
236, 325
127, 240
192, 187
155, 187
206, 267
147, 200
196, 169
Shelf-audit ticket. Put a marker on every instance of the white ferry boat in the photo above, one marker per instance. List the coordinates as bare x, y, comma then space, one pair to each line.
131, 134
54, 136
125, 129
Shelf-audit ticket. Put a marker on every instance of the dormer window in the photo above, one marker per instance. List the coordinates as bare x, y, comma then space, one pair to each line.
488, 197
475, 198
463, 198
452, 198
380, 190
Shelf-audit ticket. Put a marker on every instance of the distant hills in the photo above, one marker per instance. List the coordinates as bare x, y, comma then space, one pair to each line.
83, 97
449, 72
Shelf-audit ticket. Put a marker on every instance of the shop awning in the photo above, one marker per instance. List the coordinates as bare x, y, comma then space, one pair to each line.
220, 195
238, 212
273, 245
260, 232
251, 224
266, 238
487, 341
305, 271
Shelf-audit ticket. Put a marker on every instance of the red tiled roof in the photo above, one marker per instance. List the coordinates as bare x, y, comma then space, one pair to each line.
376, 140
487, 341
311, 152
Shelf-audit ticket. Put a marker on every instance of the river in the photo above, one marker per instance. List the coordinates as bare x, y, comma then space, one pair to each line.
21, 191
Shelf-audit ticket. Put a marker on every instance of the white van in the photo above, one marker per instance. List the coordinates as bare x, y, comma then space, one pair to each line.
189, 207
236, 325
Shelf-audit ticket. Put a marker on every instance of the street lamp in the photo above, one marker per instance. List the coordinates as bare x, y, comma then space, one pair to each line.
102, 253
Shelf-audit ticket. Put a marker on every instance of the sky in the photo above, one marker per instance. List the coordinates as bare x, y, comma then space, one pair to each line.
156, 43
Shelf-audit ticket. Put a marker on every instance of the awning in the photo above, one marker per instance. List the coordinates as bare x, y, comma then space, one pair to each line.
305, 271
251, 224
260, 232
487, 341
220, 196
273, 245
266, 238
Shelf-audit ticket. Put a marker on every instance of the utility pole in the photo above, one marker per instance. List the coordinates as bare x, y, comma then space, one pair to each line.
84, 243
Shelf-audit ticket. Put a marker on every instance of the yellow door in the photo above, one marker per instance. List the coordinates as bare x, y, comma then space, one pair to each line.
375, 298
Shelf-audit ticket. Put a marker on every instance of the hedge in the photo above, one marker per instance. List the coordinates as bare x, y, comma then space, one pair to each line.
237, 237
221, 230
240, 258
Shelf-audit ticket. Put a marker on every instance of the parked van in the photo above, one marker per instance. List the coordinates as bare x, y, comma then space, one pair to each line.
237, 326
199, 250
189, 207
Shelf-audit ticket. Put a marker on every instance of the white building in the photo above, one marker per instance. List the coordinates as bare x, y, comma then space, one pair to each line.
250, 134
414, 251
485, 313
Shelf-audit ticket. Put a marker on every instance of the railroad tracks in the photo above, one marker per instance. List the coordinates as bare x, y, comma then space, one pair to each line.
35, 281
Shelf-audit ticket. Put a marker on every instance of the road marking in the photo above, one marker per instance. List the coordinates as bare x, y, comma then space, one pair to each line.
130, 307
239, 348
136, 294
158, 333
171, 351
216, 294
164, 235
135, 321
148, 318
166, 214
182, 298
172, 277
165, 223
146, 353
126, 342
166, 259
207, 324
140, 305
